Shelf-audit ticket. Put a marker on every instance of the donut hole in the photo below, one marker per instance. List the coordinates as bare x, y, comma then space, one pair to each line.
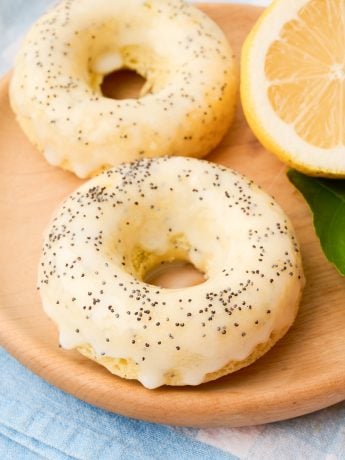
175, 274
165, 260
123, 84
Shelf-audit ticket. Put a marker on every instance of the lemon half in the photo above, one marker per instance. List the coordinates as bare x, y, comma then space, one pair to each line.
293, 84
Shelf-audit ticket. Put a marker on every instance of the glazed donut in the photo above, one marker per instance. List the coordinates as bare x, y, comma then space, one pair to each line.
187, 103
118, 226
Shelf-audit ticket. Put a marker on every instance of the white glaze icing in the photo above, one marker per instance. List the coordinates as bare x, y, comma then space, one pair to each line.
107, 63
52, 156
110, 232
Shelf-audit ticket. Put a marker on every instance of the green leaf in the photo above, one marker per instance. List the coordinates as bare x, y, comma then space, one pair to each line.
326, 198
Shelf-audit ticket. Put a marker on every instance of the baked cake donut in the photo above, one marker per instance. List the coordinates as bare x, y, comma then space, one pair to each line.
186, 105
113, 230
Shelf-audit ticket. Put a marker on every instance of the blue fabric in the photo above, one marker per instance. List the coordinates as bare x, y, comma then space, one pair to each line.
38, 420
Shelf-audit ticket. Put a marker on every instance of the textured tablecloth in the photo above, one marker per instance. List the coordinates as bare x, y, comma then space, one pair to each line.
40, 421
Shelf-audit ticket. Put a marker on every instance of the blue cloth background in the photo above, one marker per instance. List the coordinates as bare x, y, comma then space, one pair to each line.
40, 421
37, 419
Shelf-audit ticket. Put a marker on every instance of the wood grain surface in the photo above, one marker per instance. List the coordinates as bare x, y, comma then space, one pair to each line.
304, 372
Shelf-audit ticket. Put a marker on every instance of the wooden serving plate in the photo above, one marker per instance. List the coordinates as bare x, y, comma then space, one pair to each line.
304, 372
